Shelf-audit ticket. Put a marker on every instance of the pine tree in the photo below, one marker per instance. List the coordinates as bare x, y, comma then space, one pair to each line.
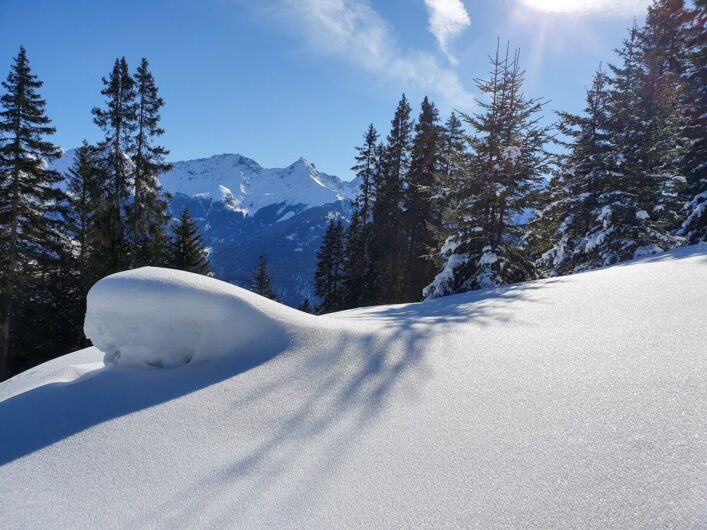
260, 282
187, 251
504, 177
563, 229
694, 226
148, 215
80, 261
30, 205
118, 122
358, 275
448, 182
635, 200
387, 230
329, 274
420, 217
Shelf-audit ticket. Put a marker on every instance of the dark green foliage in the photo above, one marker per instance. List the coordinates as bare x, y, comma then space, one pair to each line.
260, 282
148, 215
31, 207
186, 250
694, 226
117, 120
501, 179
329, 275
387, 248
359, 285
420, 215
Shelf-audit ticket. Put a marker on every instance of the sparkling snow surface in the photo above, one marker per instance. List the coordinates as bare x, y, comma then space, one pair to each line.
578, 401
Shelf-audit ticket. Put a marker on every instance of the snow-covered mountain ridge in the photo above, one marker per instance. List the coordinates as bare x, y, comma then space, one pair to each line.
244, 209
570, 402
245, 186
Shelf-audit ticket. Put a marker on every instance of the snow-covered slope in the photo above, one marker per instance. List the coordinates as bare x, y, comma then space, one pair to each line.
572, 402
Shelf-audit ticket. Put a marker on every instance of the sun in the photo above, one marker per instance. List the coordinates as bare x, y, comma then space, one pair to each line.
587, 6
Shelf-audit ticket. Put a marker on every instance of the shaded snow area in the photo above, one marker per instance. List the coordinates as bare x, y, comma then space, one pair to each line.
577, 401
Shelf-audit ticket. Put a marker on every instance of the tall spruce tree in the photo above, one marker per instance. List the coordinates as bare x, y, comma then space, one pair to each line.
31, 205
563, 229
186, 251
260, 282
635, 200
505, 175
388, 236
420, 216
329, 274
448, 182
358, 276
80, 261
117, 120
694, 226
148, 216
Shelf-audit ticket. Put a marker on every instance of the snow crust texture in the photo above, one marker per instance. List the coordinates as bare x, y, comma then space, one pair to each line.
573, 402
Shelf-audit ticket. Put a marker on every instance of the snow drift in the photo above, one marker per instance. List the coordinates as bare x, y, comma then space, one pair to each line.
577, 401
165, 318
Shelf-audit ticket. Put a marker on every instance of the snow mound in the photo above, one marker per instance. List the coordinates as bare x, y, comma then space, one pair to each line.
165, 318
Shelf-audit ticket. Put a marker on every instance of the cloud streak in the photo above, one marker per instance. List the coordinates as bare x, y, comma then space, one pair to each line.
352, 31
625, 8
447, 19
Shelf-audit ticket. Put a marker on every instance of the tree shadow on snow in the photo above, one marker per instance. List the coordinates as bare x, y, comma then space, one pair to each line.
47, 414
354, 380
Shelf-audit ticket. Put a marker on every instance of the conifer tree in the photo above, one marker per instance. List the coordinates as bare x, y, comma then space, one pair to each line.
260, 281
504, 177
329, 274
117, 120
148, 215
563, 230
420, 217
80, 261
31, 205
388, 237
636, 200
187, 252
694, 226
358, 275
448, 181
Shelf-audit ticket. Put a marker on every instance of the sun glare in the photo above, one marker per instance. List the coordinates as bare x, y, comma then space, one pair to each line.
587, 6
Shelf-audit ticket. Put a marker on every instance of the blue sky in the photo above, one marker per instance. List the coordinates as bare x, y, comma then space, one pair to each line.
279, 79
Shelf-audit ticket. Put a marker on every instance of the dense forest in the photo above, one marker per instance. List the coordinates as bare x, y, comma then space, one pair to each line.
480, 200
477, 201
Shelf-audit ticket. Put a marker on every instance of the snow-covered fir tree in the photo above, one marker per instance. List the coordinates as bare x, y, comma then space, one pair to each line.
31, 207
186, 250
694, 226
503, 179
562, 231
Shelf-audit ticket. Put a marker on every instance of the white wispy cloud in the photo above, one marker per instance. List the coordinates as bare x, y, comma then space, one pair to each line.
590, 7
447, 19
351, 30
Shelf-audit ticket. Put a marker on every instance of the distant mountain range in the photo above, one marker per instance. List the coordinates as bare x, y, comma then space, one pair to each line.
245, 209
